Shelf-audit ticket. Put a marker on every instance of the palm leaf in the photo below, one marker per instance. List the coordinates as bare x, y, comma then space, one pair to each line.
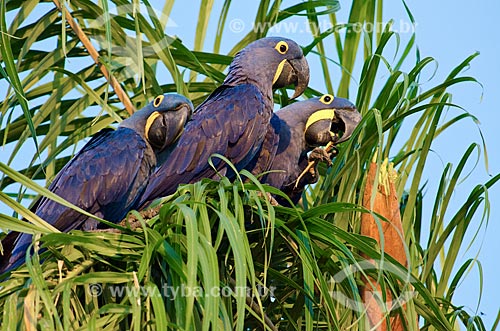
272, 267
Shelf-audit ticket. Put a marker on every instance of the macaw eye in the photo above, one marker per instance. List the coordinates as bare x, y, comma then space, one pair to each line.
326, 99
158, 100
281, 47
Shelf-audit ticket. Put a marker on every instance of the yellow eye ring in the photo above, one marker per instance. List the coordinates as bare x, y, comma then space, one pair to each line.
327, 99
158, 100
281, 47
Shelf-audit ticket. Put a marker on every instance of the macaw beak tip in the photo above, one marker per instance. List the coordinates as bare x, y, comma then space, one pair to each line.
351, 119
294, 72
301, 69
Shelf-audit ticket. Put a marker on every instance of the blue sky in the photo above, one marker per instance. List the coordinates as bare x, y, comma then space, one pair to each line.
449, 31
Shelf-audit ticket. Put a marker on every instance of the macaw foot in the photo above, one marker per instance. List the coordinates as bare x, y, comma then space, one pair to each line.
133, 223
270, 197
319, 154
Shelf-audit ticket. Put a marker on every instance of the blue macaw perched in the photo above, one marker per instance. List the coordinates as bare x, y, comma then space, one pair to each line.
298, 129
234, 119
107, 177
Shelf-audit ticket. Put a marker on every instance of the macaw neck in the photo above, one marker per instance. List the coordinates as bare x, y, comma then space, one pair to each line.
136, 123
296, 119
240, 74
298, 131
149, 151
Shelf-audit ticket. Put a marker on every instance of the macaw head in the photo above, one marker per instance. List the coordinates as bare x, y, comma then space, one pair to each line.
323, 120
332, 119
162, 121
271, 62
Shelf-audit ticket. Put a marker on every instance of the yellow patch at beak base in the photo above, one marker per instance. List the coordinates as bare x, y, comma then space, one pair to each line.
323, 114
278, 71
150, 122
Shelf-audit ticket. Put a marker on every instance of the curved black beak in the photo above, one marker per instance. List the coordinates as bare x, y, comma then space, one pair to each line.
296, 72
346, 118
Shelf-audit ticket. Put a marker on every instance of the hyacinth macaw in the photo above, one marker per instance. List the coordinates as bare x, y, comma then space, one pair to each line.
106, 178
234, 119
298, 129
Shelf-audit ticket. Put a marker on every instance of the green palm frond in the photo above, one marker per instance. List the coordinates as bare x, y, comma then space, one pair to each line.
241, 262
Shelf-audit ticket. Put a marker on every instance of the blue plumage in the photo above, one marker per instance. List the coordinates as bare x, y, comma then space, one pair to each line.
234, 119
289, 140
109, 174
